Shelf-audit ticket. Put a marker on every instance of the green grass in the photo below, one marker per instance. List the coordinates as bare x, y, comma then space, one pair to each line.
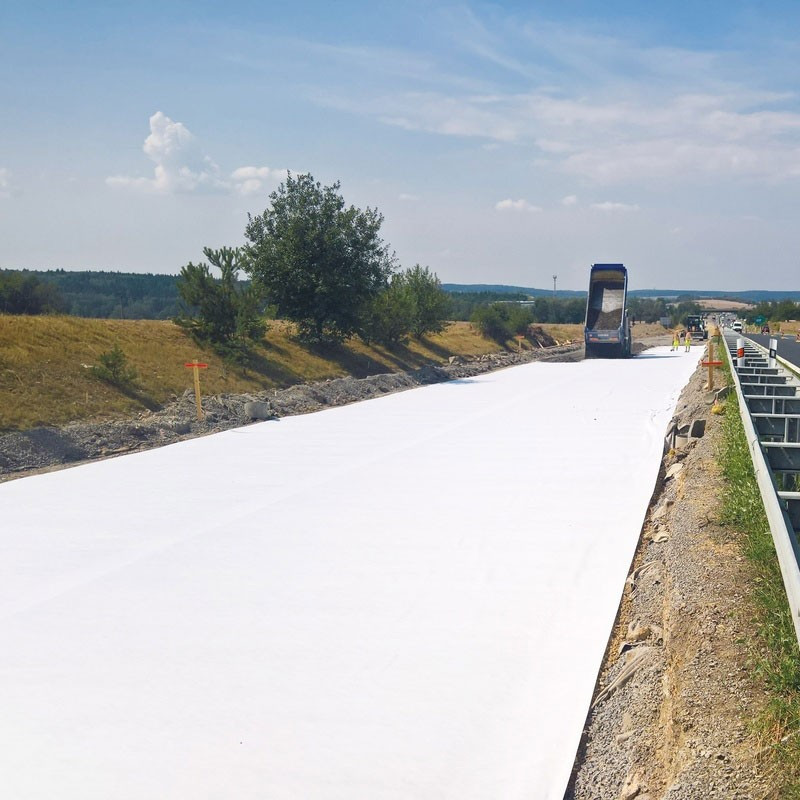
775, 654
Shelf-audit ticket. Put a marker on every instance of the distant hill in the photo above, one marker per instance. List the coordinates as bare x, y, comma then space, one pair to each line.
129, 295
474, 288
754, 295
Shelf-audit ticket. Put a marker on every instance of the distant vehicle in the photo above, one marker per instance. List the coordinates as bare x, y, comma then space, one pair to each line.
765, 329
608, 330
737, 326
696, 326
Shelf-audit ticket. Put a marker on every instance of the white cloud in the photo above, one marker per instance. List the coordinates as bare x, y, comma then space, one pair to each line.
182, 167
603, 107
250, 180
407, 197
6, 186
515, 205
569, 200
609, 206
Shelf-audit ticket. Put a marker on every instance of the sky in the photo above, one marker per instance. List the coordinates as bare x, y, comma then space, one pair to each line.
503, 142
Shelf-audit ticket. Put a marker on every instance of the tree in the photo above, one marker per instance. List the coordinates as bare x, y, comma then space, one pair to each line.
431, 303
223, 311
320, 262
391, 314
24, 293
493, 321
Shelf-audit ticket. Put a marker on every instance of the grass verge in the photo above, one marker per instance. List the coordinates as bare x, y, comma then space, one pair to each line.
775, 654
48, 364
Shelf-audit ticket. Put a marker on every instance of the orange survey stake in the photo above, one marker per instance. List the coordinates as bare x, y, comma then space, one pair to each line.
196, 367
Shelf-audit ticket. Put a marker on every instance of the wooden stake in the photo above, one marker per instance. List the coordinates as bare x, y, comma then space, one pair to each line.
196, 367
710, 364
196, 371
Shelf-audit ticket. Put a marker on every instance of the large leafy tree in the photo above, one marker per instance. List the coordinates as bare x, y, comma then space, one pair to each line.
320, 262
223, 311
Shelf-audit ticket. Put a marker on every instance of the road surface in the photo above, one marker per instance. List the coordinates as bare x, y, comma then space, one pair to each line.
788, 348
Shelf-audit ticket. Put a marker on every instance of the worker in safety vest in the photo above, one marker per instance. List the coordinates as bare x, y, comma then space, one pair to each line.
676, 342
688, 340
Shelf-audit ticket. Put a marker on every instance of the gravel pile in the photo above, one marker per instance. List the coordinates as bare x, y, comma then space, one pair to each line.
675, 696
40, 449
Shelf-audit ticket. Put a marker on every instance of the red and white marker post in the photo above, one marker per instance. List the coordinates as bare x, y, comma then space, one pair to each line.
740, 353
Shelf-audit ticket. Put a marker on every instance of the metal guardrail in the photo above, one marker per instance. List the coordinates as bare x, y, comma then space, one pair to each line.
769, 404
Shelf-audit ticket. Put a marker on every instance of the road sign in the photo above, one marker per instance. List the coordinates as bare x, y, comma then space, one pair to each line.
759, 320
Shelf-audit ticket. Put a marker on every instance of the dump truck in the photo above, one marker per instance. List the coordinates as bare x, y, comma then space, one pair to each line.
696, 326
607, 332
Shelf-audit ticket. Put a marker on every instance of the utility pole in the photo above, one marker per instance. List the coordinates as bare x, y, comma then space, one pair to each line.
555, 277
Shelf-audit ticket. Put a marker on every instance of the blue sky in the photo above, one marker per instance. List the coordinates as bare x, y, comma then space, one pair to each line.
503, 142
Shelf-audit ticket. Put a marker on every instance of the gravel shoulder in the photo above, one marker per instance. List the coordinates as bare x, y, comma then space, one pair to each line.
675, 696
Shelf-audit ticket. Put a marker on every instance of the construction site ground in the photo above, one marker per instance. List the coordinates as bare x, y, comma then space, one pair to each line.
676, 695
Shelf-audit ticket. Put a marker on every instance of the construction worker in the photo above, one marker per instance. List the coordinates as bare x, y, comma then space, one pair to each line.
676, 342
688, 341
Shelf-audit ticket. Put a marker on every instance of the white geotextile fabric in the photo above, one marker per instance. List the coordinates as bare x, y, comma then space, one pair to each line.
407, 597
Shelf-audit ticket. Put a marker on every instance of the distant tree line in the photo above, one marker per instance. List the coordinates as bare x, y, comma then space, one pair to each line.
22, 292
107, 295
774, 311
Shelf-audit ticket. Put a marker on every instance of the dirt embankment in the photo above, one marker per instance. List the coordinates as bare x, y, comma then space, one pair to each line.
25, 452
675, 697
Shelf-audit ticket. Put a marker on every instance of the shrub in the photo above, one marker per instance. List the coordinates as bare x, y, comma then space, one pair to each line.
493, 321
114, 368
391, 314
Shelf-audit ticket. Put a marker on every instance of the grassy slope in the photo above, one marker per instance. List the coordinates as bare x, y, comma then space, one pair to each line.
44, 379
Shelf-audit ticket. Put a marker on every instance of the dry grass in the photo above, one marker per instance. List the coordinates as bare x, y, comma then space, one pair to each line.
45, 377
564, 333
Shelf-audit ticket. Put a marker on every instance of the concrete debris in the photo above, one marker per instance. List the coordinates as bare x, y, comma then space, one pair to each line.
258, 409
697, 429
674, 470
662, 510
